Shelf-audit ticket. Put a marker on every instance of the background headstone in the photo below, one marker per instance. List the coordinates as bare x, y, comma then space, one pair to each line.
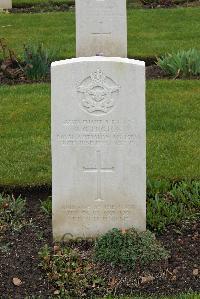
6, 4
101, 28
98, 146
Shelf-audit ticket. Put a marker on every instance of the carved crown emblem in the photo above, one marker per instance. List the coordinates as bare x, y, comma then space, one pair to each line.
97, 93
98, 77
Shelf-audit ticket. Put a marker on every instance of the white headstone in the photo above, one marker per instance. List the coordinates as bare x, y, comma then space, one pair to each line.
6, 4
98, 146
101, 28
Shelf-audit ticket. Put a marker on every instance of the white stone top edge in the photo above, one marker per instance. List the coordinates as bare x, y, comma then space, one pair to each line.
97, 58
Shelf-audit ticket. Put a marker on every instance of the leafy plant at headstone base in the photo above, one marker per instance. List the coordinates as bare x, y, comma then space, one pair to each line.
46, 206
37, 62
129, 248
10, 66
70, 273
157, 187
167, 203
12, 212
181, 201
188, 193
183, 64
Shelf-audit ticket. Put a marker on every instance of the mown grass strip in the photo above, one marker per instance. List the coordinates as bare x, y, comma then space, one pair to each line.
173, 136
150, 32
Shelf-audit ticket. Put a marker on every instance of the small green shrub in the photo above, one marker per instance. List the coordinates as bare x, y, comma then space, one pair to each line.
12, 211
37, 61
46, 206
69, 272
4, 247
184, 64
129, 248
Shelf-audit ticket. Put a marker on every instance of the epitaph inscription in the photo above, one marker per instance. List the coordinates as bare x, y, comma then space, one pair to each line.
103, 212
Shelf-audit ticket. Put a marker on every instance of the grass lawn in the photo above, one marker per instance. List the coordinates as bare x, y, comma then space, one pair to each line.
25, 135
173, 136
150, 32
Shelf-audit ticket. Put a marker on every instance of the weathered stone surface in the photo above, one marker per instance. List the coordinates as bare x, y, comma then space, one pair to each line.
98, 146
101, 28
5, 4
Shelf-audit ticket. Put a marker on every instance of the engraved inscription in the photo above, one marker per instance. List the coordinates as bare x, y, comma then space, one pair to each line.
97, 132
97, 93
104, 212
106, 10
101, 33
95, 139
98, 170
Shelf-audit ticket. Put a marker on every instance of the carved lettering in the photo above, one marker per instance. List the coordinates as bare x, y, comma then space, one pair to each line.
104, 212
97, 132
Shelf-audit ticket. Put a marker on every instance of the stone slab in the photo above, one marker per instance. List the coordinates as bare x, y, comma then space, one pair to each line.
98, 146
6, 4
101, 28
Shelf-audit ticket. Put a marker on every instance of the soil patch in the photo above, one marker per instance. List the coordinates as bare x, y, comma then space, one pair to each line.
41, 9
155, 72
14, 76
19, 256
152, 72
19, 259
33, 192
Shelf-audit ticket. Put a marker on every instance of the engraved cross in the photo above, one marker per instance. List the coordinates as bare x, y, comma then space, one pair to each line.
98, 170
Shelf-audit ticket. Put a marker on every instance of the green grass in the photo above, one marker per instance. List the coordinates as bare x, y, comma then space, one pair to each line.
150, 32
173, 147
173, 136
25, 135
